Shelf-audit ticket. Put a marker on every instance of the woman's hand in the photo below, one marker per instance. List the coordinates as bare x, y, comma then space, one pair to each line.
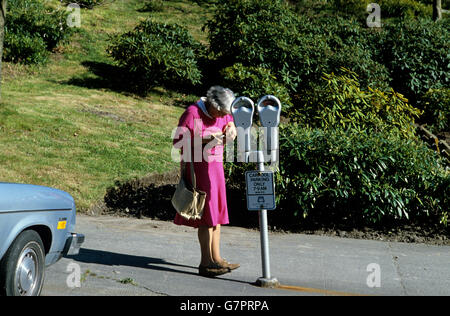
218, 138
230, 132
215, 139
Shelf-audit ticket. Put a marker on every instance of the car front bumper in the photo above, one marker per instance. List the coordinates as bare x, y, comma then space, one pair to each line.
73, 244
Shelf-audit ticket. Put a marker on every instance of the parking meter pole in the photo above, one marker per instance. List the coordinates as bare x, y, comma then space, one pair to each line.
263, 234
264, 244
266, 280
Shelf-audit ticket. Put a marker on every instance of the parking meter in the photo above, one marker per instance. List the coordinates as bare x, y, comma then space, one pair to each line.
242, 110
269, 109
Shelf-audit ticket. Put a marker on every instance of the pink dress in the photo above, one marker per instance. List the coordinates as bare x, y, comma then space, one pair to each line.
208, 164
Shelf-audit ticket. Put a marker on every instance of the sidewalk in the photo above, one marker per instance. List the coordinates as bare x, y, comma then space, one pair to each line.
145, 257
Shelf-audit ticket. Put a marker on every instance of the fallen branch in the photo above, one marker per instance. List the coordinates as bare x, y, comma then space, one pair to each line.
437, 141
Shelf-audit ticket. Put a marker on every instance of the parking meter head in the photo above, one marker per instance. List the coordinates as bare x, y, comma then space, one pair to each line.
242, 110
269, 109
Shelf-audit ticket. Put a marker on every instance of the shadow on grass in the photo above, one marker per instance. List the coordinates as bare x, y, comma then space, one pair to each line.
105, 76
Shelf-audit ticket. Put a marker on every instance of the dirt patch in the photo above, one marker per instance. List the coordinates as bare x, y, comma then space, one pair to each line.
432, 234
150, 197
105, 114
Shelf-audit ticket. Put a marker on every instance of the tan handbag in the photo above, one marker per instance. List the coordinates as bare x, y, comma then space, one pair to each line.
188, 202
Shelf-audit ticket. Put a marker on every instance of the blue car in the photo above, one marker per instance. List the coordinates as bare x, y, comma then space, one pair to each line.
37, 227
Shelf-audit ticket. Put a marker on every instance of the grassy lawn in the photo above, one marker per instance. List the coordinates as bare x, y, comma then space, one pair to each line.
69, 125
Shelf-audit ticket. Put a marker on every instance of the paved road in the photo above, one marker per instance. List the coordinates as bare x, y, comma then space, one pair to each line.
146, 257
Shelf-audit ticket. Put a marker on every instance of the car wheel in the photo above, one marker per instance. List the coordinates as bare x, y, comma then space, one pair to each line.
22, 268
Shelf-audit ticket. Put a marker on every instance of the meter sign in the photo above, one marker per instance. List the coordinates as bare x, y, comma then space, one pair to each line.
260, 190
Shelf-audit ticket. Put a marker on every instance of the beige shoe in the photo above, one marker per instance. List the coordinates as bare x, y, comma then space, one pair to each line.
212, 270
226, 264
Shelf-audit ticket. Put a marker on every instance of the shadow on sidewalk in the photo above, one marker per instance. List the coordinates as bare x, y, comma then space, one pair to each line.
117, 259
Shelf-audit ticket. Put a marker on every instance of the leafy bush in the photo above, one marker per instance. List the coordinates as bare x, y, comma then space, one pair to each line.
409, 55
404, 9
24, 49
297, 50
257, 34
358, 176
416, 52
389, 8
341, 103
347, 45
353, 7
254, 82
31, 29
158, 53
354, 157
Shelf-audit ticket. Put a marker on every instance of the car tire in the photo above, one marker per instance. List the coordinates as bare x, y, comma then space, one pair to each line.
22, 268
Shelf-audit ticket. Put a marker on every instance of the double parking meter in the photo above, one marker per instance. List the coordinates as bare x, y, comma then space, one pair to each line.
269, 109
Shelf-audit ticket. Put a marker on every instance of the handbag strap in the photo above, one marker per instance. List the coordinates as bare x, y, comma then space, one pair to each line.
183, 171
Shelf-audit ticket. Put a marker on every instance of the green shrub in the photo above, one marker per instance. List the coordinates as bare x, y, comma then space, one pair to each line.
24, 49
358, 158
31, 29
257, 34
347, 45
254, 82
158, 53
404, 9
341, 103
358, 176
370, 72
352, 7
311, 8
416, 52
297, 50
389, 8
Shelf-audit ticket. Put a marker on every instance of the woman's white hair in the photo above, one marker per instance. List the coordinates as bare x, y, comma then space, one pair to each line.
220, 98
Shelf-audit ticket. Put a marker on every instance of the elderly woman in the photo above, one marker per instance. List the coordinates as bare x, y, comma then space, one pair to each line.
209, 125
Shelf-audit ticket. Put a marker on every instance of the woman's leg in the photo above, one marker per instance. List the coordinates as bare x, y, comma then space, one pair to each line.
215, 244
215, 250
205, 236
209, 238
